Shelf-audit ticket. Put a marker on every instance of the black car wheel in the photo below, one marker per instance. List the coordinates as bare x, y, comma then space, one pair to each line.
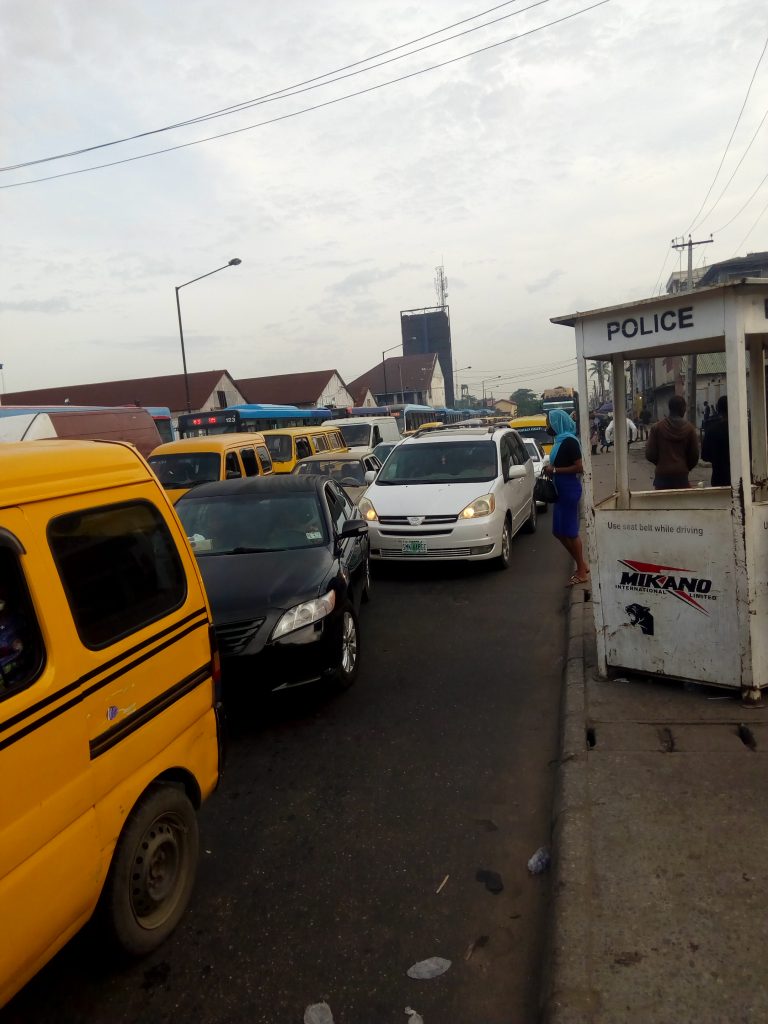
349, 653
153, 871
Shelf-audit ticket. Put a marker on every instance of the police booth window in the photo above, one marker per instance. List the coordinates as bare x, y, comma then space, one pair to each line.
21, 646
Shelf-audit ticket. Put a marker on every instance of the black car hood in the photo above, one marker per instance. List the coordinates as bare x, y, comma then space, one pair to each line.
249, 586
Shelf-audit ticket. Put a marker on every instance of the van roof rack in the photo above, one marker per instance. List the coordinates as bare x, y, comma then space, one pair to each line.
490, 429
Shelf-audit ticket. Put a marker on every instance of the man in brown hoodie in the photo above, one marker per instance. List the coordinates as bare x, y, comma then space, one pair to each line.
673, 447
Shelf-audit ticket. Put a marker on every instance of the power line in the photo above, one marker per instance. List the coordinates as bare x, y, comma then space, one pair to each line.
730, 140
757, 221
733, 175
660, 274
317, 106
300, 87
742, 208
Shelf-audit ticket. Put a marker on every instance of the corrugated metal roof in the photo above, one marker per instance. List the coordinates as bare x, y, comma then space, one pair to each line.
286, 388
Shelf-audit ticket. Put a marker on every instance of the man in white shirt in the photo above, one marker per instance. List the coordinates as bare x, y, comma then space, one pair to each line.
631, 432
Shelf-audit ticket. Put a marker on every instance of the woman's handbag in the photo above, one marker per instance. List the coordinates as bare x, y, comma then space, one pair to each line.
544, 491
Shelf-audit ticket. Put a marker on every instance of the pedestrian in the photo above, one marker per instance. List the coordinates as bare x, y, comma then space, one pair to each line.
673, 448
631, 432
707, 414
715, 447
565, 468
594, 436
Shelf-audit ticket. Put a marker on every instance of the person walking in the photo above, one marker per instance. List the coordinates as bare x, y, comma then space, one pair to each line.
673, 448
594, 435
565, 468
631, 432
715, 447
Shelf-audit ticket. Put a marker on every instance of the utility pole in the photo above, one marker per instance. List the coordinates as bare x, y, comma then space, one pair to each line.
692, 368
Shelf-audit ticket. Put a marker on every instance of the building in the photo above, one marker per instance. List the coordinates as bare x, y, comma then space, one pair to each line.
316, 388
208, 389
754, 264
505, 407
429, 330
678, 280
362, 398
408, 380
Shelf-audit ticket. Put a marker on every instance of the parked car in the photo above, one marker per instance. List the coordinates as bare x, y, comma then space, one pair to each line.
285, 563
539, 460
381, 451
451, 493
346, 468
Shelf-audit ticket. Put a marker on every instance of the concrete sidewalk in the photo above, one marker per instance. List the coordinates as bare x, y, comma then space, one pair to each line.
660, 895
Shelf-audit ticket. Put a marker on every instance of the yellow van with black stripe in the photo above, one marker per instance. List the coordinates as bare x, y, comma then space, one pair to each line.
108, 728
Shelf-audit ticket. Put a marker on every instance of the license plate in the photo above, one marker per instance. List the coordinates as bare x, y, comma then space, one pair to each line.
414, 547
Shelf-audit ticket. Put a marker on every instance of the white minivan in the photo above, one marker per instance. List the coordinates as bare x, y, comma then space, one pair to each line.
368, 431
451, 493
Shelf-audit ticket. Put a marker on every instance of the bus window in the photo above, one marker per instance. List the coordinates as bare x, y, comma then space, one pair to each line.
265, 459
250, 465
321, 443
232, 467
303, 451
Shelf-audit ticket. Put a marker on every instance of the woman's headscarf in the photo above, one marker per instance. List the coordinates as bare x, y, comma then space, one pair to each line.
564, 427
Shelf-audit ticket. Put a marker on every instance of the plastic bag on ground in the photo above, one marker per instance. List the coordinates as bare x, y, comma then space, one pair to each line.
318, 1013
431, 968
413, 1016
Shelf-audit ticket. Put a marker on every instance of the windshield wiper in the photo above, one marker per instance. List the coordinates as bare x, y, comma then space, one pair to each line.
246, 551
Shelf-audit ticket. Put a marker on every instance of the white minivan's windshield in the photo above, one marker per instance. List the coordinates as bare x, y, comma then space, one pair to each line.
452, 462
356, 435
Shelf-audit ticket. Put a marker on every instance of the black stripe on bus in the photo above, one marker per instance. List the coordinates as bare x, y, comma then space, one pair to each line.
97, 686
106, 740
70, 687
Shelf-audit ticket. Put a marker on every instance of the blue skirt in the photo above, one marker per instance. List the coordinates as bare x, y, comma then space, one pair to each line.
565, 511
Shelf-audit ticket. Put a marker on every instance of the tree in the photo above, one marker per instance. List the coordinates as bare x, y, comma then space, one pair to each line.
527, 402
601, 370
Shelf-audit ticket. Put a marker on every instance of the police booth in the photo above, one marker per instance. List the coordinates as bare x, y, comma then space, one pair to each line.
680, 577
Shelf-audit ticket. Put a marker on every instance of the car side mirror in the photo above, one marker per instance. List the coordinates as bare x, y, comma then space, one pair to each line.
370, 476
353, 528
516, 472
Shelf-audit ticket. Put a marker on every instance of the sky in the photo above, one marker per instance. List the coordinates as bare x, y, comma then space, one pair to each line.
547, 175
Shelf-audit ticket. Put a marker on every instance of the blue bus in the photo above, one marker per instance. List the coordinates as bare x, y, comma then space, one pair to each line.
236, 419
411, 417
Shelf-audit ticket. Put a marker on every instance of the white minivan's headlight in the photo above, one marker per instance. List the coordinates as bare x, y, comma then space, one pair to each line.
367, 510
304, 614
479, 507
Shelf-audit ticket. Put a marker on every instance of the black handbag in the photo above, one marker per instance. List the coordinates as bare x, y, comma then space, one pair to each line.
544, 491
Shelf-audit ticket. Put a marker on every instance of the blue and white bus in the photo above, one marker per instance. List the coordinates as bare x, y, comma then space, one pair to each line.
411, 417
236, 419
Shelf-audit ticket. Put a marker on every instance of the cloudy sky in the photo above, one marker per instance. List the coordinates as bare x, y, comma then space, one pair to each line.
547, 174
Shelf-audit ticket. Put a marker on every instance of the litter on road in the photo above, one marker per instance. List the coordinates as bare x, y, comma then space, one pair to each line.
540, 861
442, 885
431, 968
318, 1013
413, 1016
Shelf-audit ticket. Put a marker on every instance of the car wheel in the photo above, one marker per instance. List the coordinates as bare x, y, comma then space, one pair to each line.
503, 560
153, 871
530, 523
543, 508
367, 581
349, 655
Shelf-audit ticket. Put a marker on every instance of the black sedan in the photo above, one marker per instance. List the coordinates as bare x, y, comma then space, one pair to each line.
285, 564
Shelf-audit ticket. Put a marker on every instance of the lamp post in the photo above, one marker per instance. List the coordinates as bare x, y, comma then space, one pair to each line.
456, 380
384, 364
232, 263
488, 381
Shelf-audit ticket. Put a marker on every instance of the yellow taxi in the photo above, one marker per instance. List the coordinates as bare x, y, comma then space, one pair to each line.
108, 728
290, 445
180, 465
536, 427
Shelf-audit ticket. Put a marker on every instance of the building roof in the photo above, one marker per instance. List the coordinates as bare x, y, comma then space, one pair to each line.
753, 265
147, 391
359, 394
287, 388
417, 373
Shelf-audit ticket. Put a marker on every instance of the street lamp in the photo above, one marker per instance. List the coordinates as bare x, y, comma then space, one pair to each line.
232, 263
384, 364
456, 380
488, 381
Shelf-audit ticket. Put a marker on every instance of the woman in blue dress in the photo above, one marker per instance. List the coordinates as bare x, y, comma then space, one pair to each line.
565, 468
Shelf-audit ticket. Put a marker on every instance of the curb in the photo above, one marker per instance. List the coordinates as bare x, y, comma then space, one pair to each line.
567, 997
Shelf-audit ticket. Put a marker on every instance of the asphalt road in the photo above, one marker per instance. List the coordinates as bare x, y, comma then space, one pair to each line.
339, 817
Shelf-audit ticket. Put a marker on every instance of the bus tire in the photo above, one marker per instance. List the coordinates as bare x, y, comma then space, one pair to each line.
153, 871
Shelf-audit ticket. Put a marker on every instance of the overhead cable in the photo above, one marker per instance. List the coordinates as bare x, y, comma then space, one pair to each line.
317, 106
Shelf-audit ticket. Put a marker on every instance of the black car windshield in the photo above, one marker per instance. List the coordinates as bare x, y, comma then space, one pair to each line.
356, 434
347, 471
245, 523
187, 469
280, 447
440, 463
